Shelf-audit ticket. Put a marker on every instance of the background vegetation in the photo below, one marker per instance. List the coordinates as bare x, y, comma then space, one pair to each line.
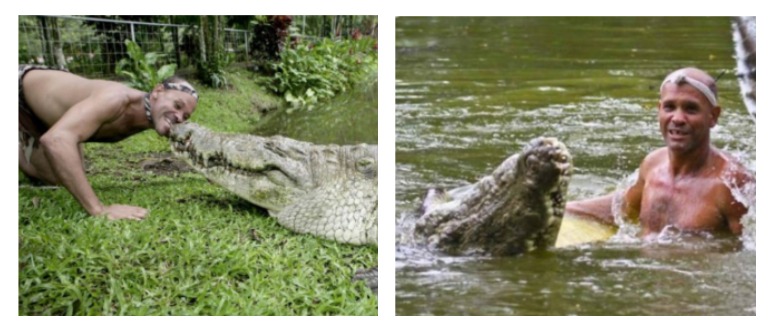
309, 58
141, 68
309, 72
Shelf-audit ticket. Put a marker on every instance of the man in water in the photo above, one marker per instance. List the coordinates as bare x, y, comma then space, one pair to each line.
686, 184
58, 111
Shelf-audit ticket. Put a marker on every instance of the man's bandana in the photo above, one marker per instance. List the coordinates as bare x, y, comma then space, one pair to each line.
678, 77
181, 88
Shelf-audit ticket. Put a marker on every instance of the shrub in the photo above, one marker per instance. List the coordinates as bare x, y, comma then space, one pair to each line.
308, 73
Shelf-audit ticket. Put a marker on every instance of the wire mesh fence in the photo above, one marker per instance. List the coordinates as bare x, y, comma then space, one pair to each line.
93, 46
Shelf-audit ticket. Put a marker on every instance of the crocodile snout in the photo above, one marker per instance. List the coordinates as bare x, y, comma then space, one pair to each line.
550, 150
180, 135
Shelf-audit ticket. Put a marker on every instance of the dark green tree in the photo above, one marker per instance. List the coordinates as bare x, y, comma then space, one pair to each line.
212, 58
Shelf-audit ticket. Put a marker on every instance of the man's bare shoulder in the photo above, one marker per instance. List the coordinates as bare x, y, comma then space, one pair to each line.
657, 154
50, 81
653, 159
734, 169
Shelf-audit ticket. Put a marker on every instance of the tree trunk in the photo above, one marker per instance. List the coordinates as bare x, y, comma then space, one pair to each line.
177, 49
42, 24
53, 54
211, 57
58, 51
202, 38
216, 44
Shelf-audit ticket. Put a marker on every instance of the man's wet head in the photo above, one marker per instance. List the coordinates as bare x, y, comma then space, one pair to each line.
688, 109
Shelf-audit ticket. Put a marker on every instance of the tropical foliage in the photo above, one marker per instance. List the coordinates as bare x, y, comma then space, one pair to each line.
141, 68
311, 72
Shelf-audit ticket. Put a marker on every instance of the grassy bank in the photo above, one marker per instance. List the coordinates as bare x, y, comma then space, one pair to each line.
202, 250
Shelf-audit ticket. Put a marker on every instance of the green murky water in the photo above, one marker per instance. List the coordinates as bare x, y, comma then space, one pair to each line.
348, 118
472, 91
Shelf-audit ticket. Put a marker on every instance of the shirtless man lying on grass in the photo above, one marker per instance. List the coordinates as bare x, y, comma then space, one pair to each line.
58, 111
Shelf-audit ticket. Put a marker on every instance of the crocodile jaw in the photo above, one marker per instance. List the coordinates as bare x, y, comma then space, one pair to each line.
324, 190
242, 164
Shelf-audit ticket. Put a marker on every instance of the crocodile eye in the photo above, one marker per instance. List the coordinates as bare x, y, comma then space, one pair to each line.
367, 166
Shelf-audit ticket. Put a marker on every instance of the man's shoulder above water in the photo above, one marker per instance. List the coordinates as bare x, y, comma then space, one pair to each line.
720, 163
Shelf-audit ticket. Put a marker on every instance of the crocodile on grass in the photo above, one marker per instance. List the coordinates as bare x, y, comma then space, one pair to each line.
328, 191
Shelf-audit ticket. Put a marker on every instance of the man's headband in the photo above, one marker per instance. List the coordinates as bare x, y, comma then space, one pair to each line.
679, 78
181, 88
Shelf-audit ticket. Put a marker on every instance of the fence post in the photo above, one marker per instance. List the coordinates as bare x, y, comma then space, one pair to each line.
246, 43
133, 37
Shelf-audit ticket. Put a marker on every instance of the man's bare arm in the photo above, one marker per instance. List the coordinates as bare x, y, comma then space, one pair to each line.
600, 208
61, 147
597, 209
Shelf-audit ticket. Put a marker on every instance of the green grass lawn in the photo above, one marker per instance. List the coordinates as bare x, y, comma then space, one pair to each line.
201, 251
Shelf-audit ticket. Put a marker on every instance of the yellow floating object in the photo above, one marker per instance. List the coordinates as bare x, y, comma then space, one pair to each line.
578, 231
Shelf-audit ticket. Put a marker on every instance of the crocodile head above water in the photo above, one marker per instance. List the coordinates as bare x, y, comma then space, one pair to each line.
517, 208
324, 190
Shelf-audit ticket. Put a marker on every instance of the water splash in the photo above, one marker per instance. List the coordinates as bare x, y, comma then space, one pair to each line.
628, 232
405, 229
744, 193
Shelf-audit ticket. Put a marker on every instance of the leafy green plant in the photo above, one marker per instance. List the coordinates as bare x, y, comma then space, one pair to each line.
308, 73
212, 73
140, 68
